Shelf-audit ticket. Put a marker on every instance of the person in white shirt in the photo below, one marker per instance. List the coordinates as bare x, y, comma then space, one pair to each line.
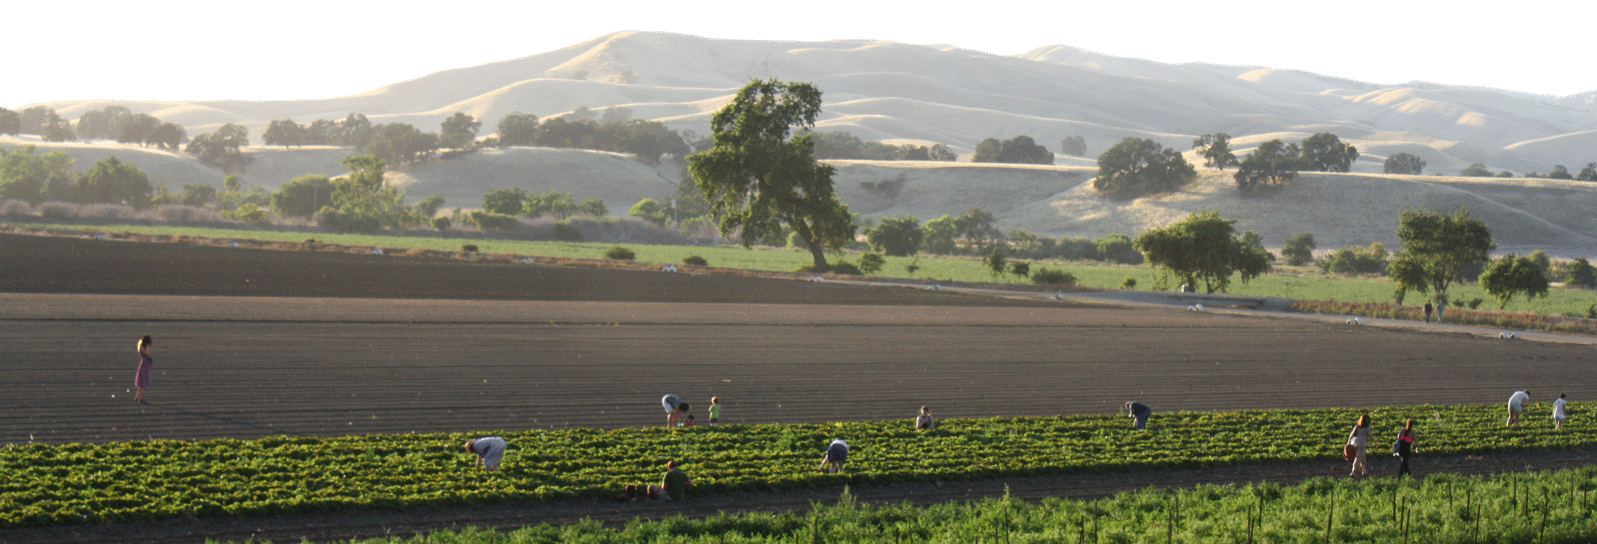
1558, 411
490, 451
1516, 406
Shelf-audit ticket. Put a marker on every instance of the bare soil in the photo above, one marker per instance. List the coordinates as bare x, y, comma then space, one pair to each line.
255, 342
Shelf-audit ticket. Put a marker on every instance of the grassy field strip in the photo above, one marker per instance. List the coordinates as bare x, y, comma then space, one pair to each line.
1305, 283
1553, 507
118, 482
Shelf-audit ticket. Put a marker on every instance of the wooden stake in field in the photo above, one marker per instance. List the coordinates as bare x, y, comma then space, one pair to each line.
1330, 515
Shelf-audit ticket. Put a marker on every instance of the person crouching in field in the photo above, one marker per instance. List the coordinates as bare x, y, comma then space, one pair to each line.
490, 451
836, 455
674, 410
141, 379
1516, 406
1360, 440
924, 421
1139, 414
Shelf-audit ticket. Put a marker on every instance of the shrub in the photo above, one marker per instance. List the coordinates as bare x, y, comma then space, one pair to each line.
58, 210
470, 248
330, 218
1475, 303
695, 260
619, 253
845, 267
11, 207
1049, 276
871, 263
442, 223
567, 232
493, 221
1130, 283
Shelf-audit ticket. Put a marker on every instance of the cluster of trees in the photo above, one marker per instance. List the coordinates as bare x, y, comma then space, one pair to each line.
516, 201
1479, 170
222, 149
972, 232
844, 145
355, 130
1138, 166
112, 123
25, 175
1018, 150
124, 126
1275, 162
361, 201
614, 132
1204, 247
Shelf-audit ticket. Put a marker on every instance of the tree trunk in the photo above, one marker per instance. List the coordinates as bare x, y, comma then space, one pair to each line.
803, 230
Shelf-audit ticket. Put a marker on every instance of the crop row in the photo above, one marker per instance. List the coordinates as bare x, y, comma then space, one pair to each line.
1545, 507
118, 482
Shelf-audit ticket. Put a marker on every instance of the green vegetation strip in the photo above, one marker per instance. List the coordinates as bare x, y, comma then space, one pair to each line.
1299, 283
119, 482
1554, 507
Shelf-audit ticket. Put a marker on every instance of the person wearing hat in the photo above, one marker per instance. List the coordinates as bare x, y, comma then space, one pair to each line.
675, 484
490, 451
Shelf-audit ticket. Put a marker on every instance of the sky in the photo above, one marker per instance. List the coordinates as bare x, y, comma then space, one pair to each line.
176, 50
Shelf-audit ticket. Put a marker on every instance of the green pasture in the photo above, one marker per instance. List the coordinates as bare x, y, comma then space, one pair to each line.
1300, 283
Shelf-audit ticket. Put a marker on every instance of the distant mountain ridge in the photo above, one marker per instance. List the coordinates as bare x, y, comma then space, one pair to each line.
903, 93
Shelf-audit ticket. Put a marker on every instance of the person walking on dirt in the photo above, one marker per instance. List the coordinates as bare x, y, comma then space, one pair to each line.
1559, 412
924, 421
836, 455
715, 410
1428, 311
490, 451
676, 483
141, 379
1139, 415
674, 410
1516, 406
1441, 306
1359, 438
1404, 447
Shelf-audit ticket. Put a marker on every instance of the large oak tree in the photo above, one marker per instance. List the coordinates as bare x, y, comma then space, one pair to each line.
757, 178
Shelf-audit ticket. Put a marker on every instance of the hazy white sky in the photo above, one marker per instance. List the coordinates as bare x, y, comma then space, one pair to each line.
291, 49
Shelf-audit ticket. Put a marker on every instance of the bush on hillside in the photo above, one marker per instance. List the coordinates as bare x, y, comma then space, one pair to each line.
695, 260
1049, 276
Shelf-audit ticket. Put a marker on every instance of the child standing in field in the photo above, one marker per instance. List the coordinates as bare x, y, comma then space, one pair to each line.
1558, 410
1404, 447
146, 367
1360, 440
715, 410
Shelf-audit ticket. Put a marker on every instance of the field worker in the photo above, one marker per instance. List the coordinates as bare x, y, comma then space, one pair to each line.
675, 483
1516, 406
141, 378
1139, 414
674, 410
836, 455
715, 410
1559, 412
924, 421
1360, 440
1404, 447
490, 451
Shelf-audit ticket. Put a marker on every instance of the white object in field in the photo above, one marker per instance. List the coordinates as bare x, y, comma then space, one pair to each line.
377, 251
1355, 321
669, 268
1195, 308
1508, 335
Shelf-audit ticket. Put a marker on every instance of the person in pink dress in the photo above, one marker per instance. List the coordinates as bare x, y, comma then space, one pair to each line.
146, 367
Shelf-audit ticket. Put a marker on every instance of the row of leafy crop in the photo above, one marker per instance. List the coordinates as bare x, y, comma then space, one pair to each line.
1546, 507
118, 482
